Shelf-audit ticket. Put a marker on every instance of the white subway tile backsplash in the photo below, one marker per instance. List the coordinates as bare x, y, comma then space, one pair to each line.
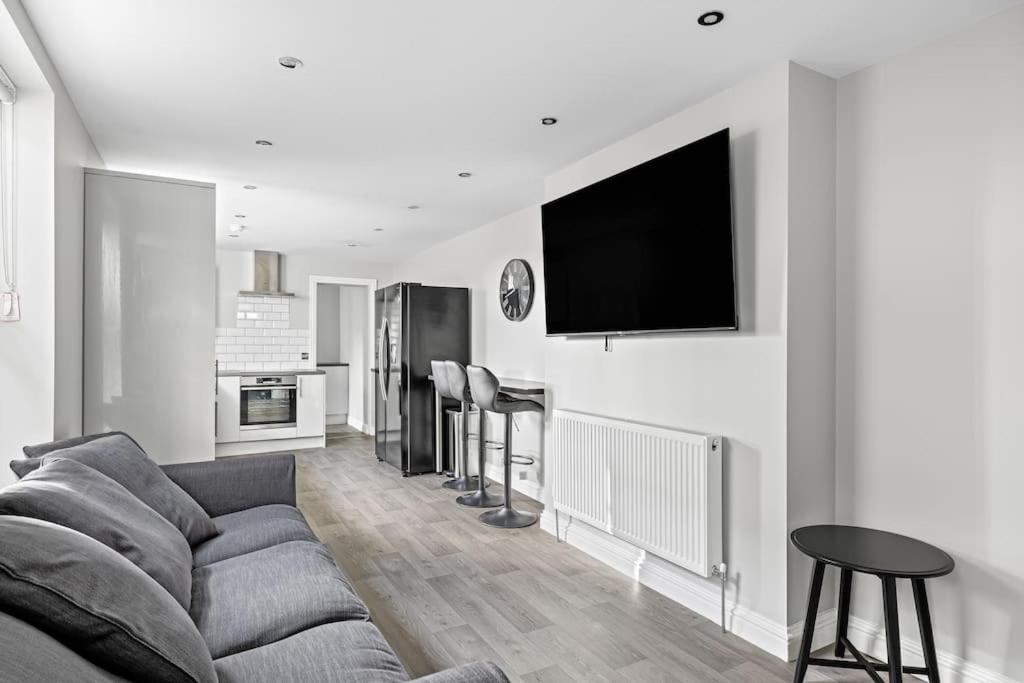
244, 357
290, 333
280, 324
232, 367
249, 367
245, 307
226, 357
262, 307
246, 323
265, 323
254, 349
280, 308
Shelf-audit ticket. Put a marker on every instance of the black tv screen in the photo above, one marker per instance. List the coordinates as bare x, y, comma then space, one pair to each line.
649, 249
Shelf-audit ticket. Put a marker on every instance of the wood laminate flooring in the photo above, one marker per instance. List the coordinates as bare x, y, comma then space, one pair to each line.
446, 590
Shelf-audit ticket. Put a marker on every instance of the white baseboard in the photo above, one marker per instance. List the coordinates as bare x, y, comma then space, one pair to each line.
773, 637
869, 638
361, 426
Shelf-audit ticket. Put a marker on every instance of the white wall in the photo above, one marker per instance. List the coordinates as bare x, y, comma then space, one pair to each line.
510, 349
732, 384
811, 321
930, 322
328, 324
41, 364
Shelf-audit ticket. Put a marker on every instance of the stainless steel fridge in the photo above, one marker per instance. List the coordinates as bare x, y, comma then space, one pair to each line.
415, 325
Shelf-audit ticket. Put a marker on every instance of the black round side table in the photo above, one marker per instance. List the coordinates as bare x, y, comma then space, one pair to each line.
889, 557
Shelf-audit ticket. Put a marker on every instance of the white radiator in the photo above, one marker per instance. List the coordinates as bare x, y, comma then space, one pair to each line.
659, 489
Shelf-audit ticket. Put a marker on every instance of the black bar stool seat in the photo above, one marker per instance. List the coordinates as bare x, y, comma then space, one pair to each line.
485, 388
888, 556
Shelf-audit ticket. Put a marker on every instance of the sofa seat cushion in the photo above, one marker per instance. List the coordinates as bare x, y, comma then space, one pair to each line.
250, 530
349, 652
99, 604
74, 495
264, 596
120, 458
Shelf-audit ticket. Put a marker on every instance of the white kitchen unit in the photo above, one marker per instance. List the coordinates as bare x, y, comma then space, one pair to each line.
268, 412
310, 413
336, 389
149, 278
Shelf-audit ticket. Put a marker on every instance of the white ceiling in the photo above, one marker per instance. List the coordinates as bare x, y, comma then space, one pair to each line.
398, 96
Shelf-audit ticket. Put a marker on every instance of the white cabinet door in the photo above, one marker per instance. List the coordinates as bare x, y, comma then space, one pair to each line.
310, 406
229, 413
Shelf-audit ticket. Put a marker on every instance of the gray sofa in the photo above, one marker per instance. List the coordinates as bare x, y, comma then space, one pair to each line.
114, 569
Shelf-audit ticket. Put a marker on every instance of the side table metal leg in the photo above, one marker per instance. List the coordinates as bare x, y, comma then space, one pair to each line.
843, 617
812, 614
924, 621
892, 629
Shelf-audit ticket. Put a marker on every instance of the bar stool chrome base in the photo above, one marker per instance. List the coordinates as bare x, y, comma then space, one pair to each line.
481, 499
464, 483
507, 518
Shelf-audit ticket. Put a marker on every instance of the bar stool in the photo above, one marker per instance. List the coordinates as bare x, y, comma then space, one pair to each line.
444, 390
488, 397
458, 380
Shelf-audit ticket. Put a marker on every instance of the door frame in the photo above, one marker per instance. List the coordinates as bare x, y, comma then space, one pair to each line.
369, 407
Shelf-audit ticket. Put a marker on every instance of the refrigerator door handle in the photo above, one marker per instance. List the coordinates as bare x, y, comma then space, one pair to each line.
381, 362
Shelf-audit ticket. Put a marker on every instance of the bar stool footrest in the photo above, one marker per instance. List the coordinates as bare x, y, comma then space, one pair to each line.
522, 460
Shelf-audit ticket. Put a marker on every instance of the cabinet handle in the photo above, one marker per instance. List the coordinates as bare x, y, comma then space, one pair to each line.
300, 387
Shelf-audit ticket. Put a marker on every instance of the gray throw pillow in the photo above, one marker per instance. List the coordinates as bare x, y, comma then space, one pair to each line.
34, 454
74, 495
121, 459
97, 603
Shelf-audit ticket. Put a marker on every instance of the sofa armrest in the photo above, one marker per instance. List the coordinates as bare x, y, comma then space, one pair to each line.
475, 672
238, 483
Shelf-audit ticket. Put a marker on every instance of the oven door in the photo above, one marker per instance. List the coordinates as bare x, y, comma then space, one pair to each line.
264, 407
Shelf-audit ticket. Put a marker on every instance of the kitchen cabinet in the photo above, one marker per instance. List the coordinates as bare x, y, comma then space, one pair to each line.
310, 406
228, 409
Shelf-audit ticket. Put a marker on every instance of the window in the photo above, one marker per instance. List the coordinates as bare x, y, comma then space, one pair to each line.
10, 309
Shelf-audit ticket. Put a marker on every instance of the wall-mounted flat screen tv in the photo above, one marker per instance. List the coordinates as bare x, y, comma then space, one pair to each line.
649, 249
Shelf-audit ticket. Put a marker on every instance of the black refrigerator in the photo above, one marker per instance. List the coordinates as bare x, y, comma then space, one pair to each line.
415, 325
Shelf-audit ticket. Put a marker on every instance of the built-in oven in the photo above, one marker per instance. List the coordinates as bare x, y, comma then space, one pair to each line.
268, 402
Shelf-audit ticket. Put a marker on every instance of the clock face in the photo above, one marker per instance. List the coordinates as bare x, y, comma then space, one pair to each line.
515, 290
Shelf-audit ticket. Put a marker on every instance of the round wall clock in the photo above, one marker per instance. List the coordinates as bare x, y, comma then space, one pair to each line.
515, 289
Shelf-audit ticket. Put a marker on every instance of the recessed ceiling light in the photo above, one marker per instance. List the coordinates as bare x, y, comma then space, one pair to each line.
352, 244
236, 228
711, 18
413, 207
465, 174
248, 187
290, 62
378, 229
239, 215
264, 143
233, 234
549, 121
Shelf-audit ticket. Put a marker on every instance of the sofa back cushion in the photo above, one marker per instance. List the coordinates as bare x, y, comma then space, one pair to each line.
28, 654
99, 604
120, 458
34, 454
74, 495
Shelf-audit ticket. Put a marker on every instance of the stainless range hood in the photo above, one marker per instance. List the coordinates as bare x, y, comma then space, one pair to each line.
266, 275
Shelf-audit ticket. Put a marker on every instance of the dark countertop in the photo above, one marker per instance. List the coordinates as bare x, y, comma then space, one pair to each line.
269, 373
332, 365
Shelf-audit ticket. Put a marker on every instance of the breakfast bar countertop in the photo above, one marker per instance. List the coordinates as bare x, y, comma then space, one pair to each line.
521, 387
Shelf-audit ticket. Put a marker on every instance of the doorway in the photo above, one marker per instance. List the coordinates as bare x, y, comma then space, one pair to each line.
341, 344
